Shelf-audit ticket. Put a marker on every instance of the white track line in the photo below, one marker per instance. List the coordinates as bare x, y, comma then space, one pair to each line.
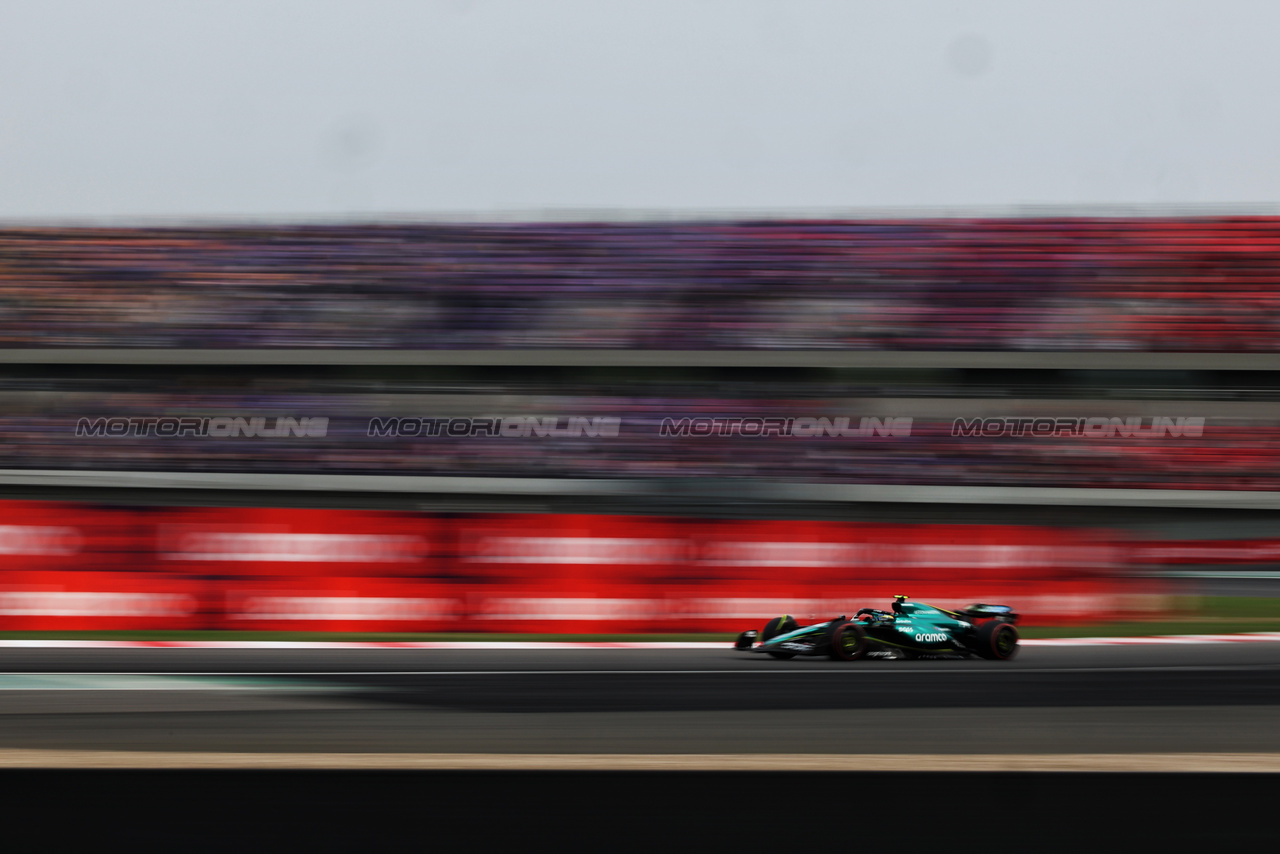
1244, 637
148, 682
785, 670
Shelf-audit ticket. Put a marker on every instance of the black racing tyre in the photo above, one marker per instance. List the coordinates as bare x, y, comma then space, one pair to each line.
779, 626
848, 642
997, 641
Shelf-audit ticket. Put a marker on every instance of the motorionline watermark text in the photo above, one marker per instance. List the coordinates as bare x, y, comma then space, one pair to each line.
1094, 427
800, 427
216, 426
519, 426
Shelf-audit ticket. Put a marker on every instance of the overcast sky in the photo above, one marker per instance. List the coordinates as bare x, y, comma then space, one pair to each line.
335, 108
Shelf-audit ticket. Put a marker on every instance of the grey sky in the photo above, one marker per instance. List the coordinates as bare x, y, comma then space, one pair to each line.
330, 108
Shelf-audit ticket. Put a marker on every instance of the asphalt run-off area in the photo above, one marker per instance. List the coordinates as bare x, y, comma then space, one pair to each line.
1164, 705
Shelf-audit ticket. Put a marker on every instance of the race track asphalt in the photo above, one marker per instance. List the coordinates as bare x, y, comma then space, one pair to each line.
1174, 698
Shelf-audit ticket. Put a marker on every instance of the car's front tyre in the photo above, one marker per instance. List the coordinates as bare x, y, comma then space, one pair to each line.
848, 642
779, 626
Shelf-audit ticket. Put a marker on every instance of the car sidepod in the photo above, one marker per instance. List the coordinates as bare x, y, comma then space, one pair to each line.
923, 631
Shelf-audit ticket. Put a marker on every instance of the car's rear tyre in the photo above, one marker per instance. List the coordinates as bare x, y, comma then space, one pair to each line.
779, 626
848, 642
997, 641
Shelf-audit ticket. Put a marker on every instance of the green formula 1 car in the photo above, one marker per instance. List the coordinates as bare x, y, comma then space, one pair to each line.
911, 629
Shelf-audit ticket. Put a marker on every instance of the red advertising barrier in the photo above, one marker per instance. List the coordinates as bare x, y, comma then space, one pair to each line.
78, 566
54, 535
1205, 552
69, 600
567, 573
338, 604
280, 569
258, 542
744, 572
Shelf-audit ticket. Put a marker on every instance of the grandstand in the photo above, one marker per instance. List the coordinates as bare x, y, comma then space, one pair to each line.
1022, 285
930, 320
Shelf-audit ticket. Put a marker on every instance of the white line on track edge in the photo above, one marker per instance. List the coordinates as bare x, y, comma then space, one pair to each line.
791, 670
1243, 637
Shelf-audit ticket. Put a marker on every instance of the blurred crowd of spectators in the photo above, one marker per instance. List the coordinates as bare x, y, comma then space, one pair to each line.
39, 431
1206, 284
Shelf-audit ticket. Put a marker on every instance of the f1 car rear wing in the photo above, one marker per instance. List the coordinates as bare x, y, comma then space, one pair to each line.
981, 611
